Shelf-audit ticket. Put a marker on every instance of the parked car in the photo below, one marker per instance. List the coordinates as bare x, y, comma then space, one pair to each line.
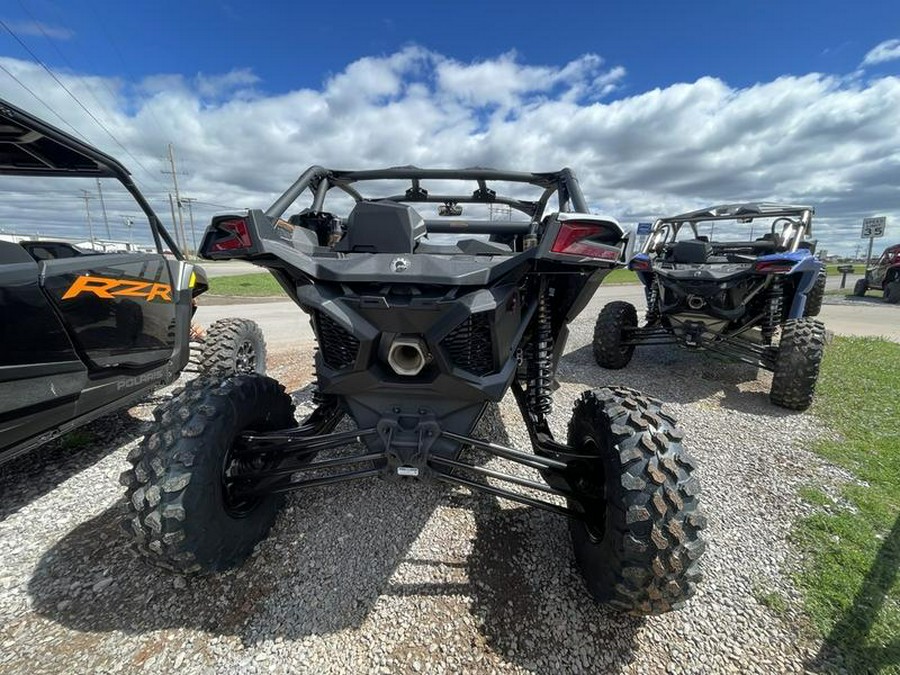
86, 333
749, 300
884, 276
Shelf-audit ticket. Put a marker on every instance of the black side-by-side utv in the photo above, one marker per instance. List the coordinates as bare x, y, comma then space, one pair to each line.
417, 333
85, 332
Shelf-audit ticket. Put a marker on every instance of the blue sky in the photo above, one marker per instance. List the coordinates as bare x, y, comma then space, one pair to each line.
660, 107
297, 44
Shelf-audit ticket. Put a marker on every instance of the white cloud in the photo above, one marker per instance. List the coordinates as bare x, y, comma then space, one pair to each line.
889, 50
820, 139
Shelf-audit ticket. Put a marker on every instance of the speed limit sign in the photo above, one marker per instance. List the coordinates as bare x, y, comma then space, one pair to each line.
873, 227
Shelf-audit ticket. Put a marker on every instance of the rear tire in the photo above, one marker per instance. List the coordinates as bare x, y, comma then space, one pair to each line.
233, 346
816, 295
638, 548
797, 363
180, 514
613, 320
860, 288
892, 292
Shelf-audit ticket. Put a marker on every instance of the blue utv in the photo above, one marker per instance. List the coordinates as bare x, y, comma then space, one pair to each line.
716, 288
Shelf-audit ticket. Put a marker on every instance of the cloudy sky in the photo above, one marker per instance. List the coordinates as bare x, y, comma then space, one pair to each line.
659, 108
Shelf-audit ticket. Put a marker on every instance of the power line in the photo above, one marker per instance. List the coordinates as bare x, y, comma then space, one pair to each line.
42, 101
55, 46
109, 38
74, 98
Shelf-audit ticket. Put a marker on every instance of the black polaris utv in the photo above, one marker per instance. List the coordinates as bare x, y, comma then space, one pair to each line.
85, 332
745, 298
421, 322
883, 275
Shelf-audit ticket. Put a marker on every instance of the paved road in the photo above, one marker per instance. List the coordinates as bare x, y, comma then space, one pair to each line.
285, 325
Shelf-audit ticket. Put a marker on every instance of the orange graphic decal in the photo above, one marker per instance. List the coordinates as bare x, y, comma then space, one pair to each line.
112, 288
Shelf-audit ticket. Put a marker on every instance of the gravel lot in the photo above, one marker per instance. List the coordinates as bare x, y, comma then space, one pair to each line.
378, 577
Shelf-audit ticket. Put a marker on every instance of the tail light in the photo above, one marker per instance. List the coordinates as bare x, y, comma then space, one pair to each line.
586, 239
774, 266
230, 235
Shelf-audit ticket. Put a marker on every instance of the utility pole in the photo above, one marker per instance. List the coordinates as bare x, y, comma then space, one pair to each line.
175, 222
179, 226
87, 207
103, 206
190, 202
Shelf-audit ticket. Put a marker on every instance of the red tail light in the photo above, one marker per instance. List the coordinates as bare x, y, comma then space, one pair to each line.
774, 266
576, 238
231, 235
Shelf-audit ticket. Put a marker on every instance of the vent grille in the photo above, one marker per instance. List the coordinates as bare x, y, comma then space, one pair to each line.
339, 347
469, 345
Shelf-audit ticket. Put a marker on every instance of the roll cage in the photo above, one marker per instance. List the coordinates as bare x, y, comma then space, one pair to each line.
319, 180
796, 219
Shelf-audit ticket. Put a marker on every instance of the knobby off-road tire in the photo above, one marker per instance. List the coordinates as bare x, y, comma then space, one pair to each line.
797, 363
179, 514
892, 292
614, 318
860, 288
816, 295
639, 552
233, 346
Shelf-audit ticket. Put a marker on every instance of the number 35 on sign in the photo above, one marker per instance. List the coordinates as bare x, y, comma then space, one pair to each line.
873, 227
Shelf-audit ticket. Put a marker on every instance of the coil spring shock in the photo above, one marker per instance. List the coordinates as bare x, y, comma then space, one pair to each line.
540, 378
653, 301
774, 300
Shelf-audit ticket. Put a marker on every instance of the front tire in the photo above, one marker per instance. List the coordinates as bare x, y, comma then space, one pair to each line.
797, 363
816, 295
180, 513
639, 545
233, 346
609, 334
892, 292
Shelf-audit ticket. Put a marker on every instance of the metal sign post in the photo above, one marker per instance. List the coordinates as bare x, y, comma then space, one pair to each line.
871, 228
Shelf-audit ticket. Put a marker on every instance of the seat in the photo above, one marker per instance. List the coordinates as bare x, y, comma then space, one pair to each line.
691, 252
381, 227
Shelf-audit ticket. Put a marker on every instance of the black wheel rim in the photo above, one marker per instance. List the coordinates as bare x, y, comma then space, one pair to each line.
245, 358
595, 527
235, 505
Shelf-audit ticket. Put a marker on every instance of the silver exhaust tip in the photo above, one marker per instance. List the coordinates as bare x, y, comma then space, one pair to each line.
695, 301
407, 356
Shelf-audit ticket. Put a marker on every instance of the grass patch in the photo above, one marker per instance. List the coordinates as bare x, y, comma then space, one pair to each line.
621, 276
815, 496
773, 600
257, 284
850, 579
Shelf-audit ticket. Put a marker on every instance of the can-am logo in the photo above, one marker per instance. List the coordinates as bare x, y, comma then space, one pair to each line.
399, 265
106, 288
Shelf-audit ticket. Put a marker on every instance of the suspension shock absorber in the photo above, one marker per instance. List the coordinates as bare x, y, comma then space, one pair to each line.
774, 300
653, 301
540, 379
